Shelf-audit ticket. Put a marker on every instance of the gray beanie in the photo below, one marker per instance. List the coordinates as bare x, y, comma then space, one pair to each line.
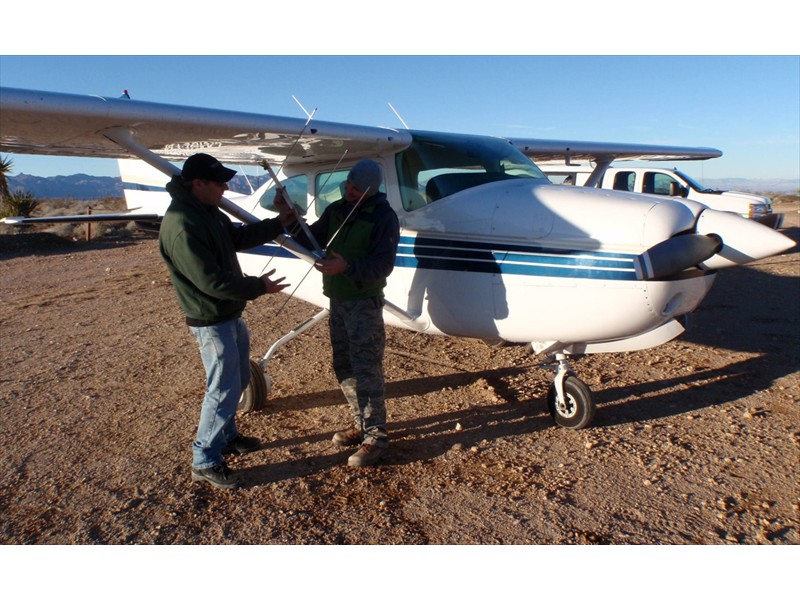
366, 176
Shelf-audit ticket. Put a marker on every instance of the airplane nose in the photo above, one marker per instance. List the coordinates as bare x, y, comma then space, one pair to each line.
743, 240
720, 240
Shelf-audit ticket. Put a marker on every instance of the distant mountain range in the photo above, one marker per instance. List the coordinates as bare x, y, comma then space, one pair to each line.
89, 187
765, 186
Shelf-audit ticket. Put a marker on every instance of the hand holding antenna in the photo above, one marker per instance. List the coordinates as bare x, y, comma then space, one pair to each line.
287, 212
281, 191
334, 264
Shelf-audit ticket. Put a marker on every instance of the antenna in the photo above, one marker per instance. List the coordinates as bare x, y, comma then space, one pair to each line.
247, 179
397, 114
303, 108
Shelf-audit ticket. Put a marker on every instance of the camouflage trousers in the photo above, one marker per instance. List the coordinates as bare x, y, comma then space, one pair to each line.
358, 339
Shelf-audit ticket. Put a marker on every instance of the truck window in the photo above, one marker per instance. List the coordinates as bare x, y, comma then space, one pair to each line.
665, 185
625, 181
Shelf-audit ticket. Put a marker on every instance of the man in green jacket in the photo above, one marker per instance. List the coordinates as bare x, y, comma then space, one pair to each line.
199, 243
360, 233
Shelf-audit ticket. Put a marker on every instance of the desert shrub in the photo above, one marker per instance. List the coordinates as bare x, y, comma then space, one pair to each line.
60, 206
18, 203
65, 230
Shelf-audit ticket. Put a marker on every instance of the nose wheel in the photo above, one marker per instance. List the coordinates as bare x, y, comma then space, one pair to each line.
569, 400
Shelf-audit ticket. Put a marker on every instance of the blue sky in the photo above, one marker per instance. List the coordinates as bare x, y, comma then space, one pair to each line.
747, 106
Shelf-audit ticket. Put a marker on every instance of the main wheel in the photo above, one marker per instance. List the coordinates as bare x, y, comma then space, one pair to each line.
577, 410
258, 389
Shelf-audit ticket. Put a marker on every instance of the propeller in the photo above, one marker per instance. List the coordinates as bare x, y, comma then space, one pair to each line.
677, 254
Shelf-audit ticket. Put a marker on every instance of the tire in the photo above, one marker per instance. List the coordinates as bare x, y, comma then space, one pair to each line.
255, 394
579, 409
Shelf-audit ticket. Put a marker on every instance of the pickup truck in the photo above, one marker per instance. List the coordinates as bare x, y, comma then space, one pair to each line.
672, 183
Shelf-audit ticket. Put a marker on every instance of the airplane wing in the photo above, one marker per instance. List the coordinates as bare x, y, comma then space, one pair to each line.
34, 122
541, 151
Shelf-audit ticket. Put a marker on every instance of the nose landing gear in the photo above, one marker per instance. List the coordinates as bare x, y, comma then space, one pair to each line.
569, 399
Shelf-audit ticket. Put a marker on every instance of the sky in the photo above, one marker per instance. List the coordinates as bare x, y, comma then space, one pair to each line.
748, 106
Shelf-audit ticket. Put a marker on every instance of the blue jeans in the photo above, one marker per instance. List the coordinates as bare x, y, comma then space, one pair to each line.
225, 351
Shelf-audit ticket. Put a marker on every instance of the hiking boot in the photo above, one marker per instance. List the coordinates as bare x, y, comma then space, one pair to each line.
368, 454
219, 476
242, 445
348, 437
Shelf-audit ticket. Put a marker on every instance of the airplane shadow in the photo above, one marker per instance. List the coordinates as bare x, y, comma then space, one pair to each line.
747, 311
437, 432
412, 440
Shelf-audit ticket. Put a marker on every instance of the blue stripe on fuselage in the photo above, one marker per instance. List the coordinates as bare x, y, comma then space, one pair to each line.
507, 259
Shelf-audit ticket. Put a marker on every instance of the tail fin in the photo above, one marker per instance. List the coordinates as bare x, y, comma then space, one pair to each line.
144, 187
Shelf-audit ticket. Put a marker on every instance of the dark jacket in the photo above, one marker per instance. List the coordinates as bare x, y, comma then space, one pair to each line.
199, 245
367, 240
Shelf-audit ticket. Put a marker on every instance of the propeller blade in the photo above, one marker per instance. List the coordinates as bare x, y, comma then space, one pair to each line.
677, 254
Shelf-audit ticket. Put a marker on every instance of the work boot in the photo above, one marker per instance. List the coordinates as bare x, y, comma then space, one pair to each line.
219, 476
368, 454
242, 445
348, 437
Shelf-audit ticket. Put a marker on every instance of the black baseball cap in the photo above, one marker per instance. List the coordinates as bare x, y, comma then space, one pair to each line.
205, 166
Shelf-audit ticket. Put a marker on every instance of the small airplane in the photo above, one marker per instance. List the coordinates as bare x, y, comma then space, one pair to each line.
489, 247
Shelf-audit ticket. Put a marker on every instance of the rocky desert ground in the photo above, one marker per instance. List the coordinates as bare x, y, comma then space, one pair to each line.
696, 442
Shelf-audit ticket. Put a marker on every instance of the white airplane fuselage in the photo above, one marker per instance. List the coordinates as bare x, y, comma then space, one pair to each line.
562, 271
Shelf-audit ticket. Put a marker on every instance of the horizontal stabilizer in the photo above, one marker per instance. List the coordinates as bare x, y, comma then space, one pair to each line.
82, 218
566, 150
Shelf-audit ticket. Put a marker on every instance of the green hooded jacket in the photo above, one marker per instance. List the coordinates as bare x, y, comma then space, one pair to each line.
199, 245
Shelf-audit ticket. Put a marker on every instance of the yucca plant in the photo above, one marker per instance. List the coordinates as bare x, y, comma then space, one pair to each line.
18, 204
5, 169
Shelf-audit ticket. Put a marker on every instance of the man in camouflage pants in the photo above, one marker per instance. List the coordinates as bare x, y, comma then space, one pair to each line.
361, 233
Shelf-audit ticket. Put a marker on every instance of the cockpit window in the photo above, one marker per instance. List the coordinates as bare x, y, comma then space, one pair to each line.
439, 165
296, 187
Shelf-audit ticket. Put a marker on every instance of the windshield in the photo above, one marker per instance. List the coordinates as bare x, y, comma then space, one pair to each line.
692, 183
438, 165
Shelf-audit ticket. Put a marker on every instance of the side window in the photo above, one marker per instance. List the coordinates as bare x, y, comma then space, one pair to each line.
412, 187
296, 187
330, 188
624, 181
662, 184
